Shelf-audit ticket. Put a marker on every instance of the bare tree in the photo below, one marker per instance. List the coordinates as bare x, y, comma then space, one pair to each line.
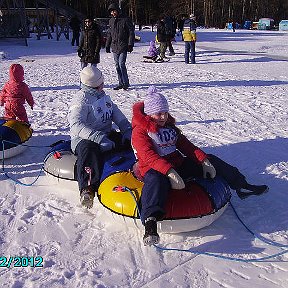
208, 12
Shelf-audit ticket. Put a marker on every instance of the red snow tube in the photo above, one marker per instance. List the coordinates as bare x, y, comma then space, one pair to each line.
192, 201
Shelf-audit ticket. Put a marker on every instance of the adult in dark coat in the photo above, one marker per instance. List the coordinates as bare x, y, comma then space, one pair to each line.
90, 44
170, 25
75, 25
162, 37
181, 24
120, 38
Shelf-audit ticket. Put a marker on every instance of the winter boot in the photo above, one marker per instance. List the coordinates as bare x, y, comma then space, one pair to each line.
126, 86
86, 197
151, 236
250, 189
159, 59
118, 87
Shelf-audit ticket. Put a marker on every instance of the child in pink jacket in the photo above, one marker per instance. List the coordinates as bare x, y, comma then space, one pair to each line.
14, 94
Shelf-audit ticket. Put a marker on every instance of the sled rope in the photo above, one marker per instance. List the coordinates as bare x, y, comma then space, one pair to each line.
3, 163
26, 145
125, 188
261, 238
262, 259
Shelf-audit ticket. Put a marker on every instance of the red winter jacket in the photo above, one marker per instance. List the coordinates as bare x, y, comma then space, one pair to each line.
14, 94
148, 158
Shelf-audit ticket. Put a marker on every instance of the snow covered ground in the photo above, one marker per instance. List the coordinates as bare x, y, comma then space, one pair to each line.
232, 103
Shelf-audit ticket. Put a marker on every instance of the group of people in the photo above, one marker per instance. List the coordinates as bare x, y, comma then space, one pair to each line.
166, 29
166, 158
120, 39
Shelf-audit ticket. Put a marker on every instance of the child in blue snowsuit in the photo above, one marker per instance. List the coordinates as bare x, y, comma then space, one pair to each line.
90, 117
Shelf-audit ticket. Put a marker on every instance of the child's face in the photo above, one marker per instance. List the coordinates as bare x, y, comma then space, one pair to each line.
100, 88
160, 118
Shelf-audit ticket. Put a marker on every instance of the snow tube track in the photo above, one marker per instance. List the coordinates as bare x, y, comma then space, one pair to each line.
13, 133
198, 205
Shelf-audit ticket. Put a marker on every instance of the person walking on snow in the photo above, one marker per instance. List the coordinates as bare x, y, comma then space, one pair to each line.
166, 159
90, 117
90, 44
15, 93
120, 38
170, 30
162, 38
75, 25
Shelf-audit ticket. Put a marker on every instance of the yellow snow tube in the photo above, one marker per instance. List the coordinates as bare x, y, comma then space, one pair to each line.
22, 129
119, 192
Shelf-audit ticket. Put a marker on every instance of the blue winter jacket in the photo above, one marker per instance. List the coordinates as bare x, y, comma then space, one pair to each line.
91, 114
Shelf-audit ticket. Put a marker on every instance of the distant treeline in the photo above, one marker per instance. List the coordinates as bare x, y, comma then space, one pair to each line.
209, 13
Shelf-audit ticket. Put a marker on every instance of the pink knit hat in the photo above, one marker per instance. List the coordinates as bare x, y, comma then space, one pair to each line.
155, 102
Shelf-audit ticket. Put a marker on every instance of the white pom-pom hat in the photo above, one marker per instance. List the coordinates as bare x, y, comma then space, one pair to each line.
91, 76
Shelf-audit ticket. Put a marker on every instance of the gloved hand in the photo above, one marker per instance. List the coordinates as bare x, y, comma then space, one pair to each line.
175, 180
130, 48
126, 139
80, 52
96, 56
126, 136
108, 50
106, 144
208, 169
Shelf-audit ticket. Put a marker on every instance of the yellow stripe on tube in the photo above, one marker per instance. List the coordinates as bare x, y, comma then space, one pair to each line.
21, 128
114, 196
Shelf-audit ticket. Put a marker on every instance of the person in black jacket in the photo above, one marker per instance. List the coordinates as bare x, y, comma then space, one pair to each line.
90, 44
162, 37
75, 25
120, 38
170, 26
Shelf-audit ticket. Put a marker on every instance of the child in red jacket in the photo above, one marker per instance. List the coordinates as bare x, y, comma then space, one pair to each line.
14, 94
166, 158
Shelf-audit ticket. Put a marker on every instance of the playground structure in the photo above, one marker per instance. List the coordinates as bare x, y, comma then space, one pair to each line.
13, 19
16, 21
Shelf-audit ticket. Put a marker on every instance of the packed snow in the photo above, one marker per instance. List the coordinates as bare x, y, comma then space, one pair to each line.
232, 103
